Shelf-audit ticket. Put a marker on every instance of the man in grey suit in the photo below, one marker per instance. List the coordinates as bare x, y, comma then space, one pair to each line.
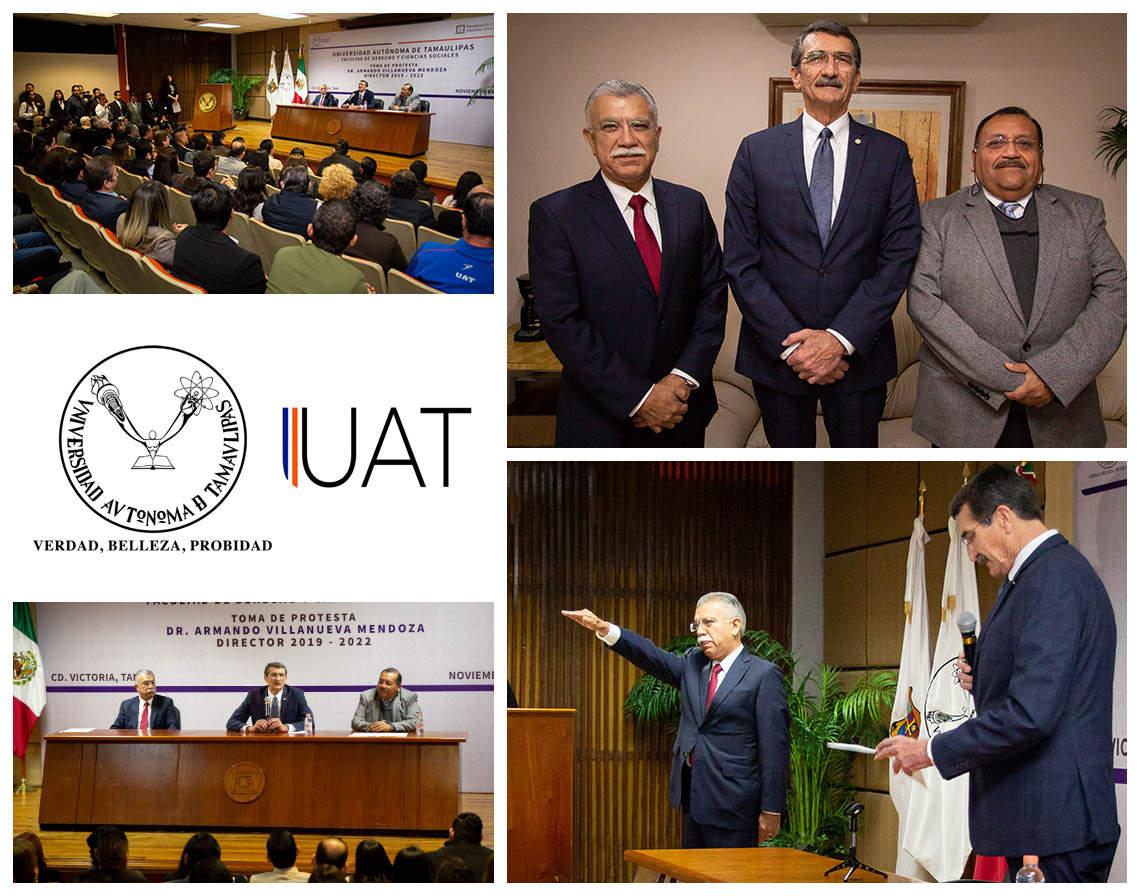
387, 707
1019, 295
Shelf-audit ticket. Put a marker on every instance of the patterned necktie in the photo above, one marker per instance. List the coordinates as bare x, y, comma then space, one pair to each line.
646, 241
712, 685
823, 185
1012, 209
144, 722
276, 714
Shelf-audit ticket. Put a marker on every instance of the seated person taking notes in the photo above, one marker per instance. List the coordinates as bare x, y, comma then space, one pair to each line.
276, 707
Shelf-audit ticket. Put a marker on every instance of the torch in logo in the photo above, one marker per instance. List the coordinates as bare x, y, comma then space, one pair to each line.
196, 393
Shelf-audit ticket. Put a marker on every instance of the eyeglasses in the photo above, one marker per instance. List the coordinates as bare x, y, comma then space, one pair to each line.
638, 125
706, 624
819, 57
1022, 144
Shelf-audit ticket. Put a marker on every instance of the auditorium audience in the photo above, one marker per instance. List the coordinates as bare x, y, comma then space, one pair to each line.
403, 205
464, 844
165, 166
149, 110
454, 871
372, 863
331, 851
210, 871
336, 183
122, 153
56, 110
218, 140
259, 158
44, 874
469, 265
24, 867
181, 142
73, 188
326, 874
339, 156
101, 203
198, 143
275, 165
367, 169
52, 168
233, 164
412, 866
467, 180
143, 162
161, 139
207, 256
423, 191
75, 107
199, 847
316, 266
250, 192
104, 137
293, 208
370, 205
145, 226
281, 850
113, 853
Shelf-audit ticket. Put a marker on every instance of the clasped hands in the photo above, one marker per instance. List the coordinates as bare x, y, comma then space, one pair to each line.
666, 404
269, 725
818, 358
1033, 392
909, 753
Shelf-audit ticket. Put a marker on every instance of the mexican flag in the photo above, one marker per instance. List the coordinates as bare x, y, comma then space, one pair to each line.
301, 83
29, 693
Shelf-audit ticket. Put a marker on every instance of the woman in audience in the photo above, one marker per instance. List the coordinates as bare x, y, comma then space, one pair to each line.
370, 205
259, 158
122, 153
24, 868
412, 866
166, 166
337, 183
46, 875
145, 226
372, 863
292, 209
56, 110
53, 165
250, 192
199, 847
326, 874
467, 180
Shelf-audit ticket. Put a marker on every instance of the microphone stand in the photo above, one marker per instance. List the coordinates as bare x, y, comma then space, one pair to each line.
851, 863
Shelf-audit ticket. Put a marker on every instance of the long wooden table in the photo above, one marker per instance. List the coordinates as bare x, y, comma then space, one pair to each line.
238, 780
381, 130
749, 865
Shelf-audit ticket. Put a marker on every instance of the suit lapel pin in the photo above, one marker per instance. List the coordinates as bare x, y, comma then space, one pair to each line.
858, 140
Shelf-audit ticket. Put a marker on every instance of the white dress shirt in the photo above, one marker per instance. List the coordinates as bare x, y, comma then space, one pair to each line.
995, 202
622, 195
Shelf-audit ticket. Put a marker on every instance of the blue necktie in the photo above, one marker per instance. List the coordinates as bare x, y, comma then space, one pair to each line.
1012, 209
275, 710
823, 184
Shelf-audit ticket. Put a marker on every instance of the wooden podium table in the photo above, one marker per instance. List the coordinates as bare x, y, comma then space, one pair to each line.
775, 865
540, 795
231, 779
380, 130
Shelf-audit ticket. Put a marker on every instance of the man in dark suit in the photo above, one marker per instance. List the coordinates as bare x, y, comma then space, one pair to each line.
465, 842
402, 206
729, 774
820, 235
148, 711
149, 110
324, 98
362, 98
339, 156
117, 109
1019, 295
101, 203
629, 283
76, 106
206, 255
275, 707
1039, 750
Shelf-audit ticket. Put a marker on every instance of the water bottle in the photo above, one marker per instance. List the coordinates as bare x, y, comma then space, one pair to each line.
308, 723
420, 724
1030, 873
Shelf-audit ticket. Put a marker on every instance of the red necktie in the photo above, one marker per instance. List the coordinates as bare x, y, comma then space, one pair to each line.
145, 720
646, 241
712, 685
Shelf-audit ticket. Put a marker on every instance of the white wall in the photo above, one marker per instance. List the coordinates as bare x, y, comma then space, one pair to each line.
709, 75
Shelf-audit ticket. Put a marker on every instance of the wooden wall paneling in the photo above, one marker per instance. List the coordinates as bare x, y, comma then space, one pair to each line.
937, 550
845, 519
845, 610
189, 55
886, 585
943, 480
892, 500
637, 543
879, 831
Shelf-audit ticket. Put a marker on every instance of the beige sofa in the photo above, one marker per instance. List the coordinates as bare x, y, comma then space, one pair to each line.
737, 421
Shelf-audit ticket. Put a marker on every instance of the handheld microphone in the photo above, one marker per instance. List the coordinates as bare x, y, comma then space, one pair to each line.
968, 626
268, 704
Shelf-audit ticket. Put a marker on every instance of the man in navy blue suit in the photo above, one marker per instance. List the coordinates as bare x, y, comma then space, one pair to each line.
821, 232
148, 711
1039, 750
629, 284
275, 707
729, 775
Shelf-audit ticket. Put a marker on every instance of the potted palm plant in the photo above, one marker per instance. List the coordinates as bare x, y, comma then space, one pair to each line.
1113, 142
821, 710
241, 86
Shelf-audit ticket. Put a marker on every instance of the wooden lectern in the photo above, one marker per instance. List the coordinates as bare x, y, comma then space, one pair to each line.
540, 795
213, 107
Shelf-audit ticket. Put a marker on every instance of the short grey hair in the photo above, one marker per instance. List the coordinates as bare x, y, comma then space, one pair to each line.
730, 601
143, 672
618, 87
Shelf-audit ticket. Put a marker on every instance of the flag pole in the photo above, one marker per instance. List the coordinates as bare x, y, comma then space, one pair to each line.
921, 498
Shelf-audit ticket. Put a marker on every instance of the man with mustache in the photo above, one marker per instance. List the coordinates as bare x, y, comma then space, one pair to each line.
1019, 294
821, 231
629, 285
1039, 751
729, 774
